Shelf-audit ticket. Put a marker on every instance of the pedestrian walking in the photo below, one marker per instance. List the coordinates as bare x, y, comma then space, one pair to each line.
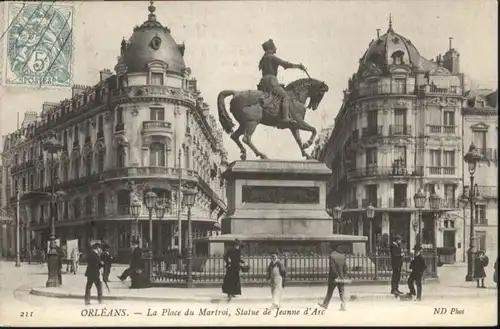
75, 260
337, 277
396, 263
94, 264
276, 274
231, 284
479, 273
417, 267
107, 260
135, 264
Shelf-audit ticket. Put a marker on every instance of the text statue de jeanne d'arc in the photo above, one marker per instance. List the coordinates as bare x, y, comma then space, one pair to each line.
39, 45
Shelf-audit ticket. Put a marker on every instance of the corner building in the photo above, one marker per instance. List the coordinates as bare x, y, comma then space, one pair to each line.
398, 131
146, 126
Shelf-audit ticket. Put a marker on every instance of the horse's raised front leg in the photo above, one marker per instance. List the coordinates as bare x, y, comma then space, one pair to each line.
247, 138
235, 136
296, 135
302, 125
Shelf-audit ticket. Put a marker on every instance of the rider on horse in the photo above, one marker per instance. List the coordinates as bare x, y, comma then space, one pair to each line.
269, 83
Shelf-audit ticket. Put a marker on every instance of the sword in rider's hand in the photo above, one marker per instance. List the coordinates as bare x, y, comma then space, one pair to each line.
305, 70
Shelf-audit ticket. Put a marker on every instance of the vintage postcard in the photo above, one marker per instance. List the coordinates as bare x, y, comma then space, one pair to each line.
250, 163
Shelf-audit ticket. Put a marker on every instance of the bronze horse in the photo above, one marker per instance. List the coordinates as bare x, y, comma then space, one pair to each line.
253, 107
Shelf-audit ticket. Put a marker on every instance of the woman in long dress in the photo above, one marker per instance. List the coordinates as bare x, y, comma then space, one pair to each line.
479, 272
231, 285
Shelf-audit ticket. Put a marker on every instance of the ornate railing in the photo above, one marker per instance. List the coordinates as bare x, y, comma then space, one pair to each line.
371, 131
400, 203
377, 203
156, 125
429, 89
441, 130
301, 269
384, 171
437, 170
399, 130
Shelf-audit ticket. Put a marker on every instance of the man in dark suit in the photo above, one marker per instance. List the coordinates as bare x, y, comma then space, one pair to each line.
336, 276
418, 268
135, 261
92, 273
396, 263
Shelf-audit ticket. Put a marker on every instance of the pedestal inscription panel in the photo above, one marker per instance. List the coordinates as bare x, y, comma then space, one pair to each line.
281, 194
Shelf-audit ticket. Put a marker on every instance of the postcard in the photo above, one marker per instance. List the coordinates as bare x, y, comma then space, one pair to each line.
249, 163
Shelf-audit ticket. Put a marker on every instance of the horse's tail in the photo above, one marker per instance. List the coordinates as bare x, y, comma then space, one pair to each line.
224, 118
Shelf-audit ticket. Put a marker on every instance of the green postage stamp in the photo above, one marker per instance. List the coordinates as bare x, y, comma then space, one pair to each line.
39, 45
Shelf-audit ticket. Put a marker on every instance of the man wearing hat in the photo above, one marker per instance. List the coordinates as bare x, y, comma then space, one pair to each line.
276, 273
417, 267
135, 261
94, 264
337, 276
269, 65
396, 263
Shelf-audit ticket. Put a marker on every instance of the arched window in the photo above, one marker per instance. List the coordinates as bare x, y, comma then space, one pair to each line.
88, 164
157, 155
89, 206
397, 57
76, 209
76, 167
120, 156
123, 202
100, 160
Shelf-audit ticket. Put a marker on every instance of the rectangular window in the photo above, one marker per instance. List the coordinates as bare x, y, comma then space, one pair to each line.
400, 155
480, 215
371, 156
157, 79
119, 115
448, 118
399, 86
157, 114
400, 117
481, 240
400, 195
435, 158
449, 193
479, 139
372, 118
371, 194
449, 159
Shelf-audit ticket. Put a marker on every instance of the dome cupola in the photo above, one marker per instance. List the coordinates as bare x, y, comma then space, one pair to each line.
151, 42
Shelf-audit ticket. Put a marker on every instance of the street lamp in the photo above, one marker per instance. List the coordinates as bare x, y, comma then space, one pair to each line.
434, 202
189, 200
18, 224
472, 158
135, 209
419, 199
150, 201
370, 214
337, 217
53, 147
160, 208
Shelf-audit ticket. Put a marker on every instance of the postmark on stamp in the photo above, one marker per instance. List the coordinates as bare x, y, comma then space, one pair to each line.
39, 50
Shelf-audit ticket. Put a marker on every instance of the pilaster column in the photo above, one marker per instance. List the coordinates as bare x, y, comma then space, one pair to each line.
413, 234
386, 225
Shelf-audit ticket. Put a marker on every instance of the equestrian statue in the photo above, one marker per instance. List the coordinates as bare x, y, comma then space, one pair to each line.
271, 104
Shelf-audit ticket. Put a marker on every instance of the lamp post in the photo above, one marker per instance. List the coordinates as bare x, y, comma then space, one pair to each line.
135, 209
435, 201
419, 199
160, 213
472, 158
337, 217
189, 200
53, 147
18, 224
370, 213
150, 201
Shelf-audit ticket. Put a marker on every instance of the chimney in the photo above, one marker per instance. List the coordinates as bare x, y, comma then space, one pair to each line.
451, 39
77, 90
105, 74
29, 116
47, 106
378, 33
451, 60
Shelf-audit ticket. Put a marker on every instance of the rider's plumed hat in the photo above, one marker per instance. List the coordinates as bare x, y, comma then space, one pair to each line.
268, 45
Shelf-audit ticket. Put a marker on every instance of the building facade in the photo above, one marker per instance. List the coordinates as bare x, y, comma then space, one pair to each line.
480, 122
143, 127
398, 131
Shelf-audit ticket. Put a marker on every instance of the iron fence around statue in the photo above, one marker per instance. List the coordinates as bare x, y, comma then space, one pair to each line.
301, 269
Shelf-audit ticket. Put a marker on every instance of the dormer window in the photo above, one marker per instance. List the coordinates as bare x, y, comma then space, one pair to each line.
397, 57
157, 79
480, 103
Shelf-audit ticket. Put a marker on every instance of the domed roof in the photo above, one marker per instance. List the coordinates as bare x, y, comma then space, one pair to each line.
151, 42
385, 48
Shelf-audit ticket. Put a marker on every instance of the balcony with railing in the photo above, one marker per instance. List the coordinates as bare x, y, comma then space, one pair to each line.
400, 203
488, 192
353, 204
371, 131
156, 126
434, 90
399, 130
123, 209
487, 154
384, 89
438, 170
384, 171
441, 130
376, 202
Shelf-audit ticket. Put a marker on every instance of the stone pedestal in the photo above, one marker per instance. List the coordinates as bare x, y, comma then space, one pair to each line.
277, 205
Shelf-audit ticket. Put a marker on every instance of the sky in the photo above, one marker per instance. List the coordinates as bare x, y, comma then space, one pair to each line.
223, 47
